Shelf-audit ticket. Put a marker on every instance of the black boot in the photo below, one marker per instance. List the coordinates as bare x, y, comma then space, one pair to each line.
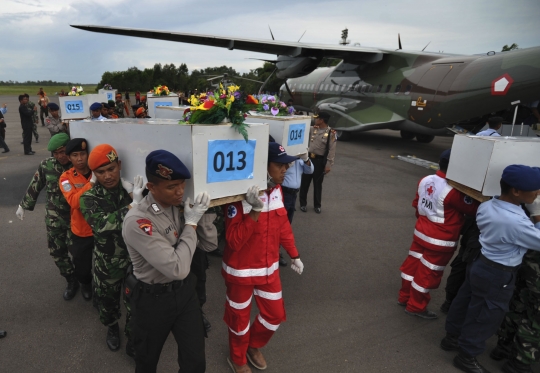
516, 366
468, 364
450, 342
71, 289
86, 291
130, 349
113, 337
502, 350
3, 333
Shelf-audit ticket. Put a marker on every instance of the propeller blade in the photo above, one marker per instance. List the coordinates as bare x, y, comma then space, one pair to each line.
251, 80
216, 77
302, 36
271, 32
426, 46
399, 41
267, 79
262, 59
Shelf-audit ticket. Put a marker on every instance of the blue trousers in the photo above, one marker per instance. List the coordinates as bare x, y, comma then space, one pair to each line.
480, 305
289, 200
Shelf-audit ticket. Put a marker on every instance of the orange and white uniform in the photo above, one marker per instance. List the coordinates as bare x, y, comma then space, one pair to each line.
73, 185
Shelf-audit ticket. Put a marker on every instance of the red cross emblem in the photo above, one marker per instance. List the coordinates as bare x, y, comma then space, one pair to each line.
164, 172
430, 190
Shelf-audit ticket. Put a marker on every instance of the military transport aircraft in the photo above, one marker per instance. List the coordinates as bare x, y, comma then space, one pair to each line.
421, 94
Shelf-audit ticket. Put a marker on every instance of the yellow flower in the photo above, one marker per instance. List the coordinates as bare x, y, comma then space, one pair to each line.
233, 88
194, 101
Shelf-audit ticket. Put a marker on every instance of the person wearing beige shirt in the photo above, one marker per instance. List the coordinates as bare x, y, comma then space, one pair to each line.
161, 241
322, 151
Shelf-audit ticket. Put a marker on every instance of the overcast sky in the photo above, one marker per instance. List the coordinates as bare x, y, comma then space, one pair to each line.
37, 43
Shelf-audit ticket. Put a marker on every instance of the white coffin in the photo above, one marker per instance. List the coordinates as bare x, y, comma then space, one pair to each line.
198, 146
109, 94
291, 132
170, 112
74, 107
154, 101
478, 161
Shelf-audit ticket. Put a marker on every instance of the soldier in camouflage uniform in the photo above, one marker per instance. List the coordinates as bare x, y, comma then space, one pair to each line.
104, 208
57, 210
120, 105
519, 335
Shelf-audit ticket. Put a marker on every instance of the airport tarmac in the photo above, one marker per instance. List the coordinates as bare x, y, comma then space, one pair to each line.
342, 314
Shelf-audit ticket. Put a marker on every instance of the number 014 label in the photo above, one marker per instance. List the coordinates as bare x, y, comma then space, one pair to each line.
230, 160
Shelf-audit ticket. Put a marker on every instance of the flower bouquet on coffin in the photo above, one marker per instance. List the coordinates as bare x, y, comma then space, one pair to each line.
272, 105
76, 91
107, 87
161, 90
221, 106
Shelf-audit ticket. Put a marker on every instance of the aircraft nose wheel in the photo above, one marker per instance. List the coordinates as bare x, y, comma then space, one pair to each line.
405, 135
343, 135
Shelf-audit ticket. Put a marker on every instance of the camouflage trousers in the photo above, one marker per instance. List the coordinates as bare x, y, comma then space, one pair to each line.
109, 274
520, 330
57, 240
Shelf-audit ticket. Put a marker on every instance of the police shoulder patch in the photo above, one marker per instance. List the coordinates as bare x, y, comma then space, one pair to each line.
145, 225
232, 211
468, 200
155, 207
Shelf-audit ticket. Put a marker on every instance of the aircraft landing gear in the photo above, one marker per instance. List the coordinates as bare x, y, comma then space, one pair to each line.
343, 135
424, 139
407, 135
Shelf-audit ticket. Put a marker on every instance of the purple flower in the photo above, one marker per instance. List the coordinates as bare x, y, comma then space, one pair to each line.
266, 107
237, 95
290, 110
274, 111
271, 98
223, 96
282, 104
264, 100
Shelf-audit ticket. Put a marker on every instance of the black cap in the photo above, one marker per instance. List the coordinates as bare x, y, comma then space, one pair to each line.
323, 115
76, 145
53, 106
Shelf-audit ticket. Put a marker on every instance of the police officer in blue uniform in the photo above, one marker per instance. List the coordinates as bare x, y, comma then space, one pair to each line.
494, 123
505, 235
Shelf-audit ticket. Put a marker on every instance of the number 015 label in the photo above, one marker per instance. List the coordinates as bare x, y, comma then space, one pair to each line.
230, 160
73, 107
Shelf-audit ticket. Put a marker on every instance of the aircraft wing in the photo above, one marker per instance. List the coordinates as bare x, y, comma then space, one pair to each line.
293, 49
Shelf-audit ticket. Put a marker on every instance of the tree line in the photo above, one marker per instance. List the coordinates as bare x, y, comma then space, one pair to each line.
180, 79
44, 83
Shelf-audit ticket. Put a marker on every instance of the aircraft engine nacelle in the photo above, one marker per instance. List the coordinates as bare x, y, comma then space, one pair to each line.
294, 67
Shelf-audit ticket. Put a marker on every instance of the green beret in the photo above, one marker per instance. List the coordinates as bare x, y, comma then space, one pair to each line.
57, 141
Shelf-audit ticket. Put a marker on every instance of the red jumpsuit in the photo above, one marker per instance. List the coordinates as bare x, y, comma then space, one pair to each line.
251, 267
439, 210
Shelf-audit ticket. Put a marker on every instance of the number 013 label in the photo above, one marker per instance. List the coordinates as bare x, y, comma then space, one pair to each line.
230, 160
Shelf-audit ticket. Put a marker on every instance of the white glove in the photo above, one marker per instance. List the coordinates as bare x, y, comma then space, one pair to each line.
20, 213
304, 157
127, 186
252, 197
137, 188
192, 215
534, 208
297, 266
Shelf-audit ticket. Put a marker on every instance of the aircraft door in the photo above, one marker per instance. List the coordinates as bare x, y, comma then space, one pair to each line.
423, 97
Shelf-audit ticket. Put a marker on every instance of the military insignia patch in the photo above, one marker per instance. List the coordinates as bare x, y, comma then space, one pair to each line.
83, 145
468, 200
164, 172
231, 212
112, 156
145, 225
66, 186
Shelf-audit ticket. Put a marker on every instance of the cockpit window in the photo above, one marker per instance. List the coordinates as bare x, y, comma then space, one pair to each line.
398, 89
363, 89
388, 88
408, 89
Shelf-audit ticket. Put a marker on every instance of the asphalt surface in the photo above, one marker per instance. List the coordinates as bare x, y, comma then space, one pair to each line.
342, 314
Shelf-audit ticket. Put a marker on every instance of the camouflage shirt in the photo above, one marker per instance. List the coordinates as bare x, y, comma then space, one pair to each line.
119, 109
31, 105
104, 210
47, 175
